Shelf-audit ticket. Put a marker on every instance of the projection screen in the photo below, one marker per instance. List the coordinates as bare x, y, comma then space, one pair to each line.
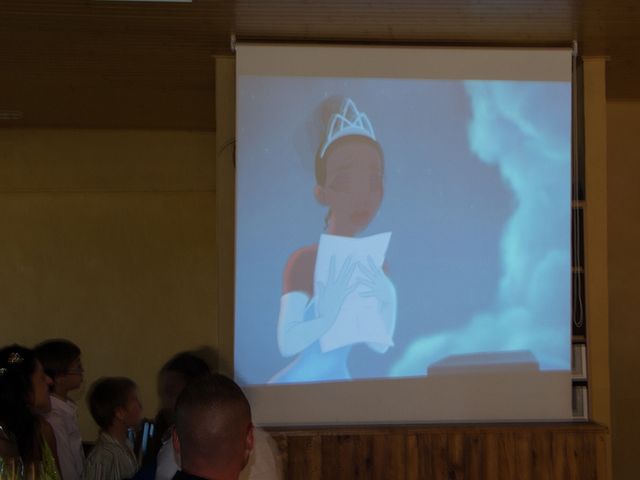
403, 233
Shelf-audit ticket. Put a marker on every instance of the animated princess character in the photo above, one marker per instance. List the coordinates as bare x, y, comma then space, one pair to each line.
349, 170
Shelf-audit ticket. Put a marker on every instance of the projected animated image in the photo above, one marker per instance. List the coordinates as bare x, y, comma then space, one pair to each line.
386, 227
336, 293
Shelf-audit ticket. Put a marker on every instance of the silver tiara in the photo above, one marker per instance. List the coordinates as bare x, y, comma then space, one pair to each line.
349, 121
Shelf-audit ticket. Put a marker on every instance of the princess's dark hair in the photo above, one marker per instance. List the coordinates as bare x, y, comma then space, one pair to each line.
17, 365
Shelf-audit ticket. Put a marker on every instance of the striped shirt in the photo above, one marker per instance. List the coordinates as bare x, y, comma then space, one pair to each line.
110, 460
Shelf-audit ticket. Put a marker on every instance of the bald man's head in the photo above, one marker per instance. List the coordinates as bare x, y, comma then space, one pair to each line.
214, 434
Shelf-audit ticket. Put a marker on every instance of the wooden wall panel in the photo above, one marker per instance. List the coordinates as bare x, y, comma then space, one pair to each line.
523, 455
411, 454
540, 451
495, 452
455, 455
388, 454
490, 459
507, 468
98, 64
473, 455
303, 457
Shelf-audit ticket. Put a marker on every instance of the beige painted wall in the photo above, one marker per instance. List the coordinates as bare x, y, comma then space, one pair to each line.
624, 284
108, 238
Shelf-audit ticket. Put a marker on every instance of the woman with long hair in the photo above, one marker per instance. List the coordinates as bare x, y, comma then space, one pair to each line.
25, 437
